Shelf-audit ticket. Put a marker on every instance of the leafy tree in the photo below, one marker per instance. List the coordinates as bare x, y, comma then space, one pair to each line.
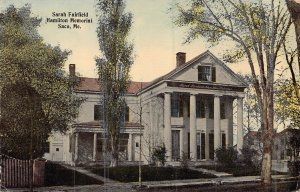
294, 9
113, 66
26, 60
258, 29
26, 127
287, 106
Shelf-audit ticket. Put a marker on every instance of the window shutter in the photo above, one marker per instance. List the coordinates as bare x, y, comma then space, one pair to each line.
213, 74
199, 73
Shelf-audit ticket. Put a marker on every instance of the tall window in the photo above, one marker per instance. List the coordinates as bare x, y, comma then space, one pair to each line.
223, 140
211, 109
222, 111
200, 109
206, 73
176, 105
126, 113
98, 114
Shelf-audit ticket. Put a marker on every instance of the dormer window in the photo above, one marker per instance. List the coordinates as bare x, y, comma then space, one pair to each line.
206, 73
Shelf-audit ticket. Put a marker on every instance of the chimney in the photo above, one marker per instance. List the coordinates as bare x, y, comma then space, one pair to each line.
180, 58
72, 70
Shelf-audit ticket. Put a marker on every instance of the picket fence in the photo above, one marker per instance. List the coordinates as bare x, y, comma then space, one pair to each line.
17, 173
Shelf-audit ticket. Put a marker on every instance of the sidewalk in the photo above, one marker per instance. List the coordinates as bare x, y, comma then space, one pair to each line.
210, 182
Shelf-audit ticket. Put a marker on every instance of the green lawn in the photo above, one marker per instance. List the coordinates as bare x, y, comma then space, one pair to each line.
56, 174
131, 173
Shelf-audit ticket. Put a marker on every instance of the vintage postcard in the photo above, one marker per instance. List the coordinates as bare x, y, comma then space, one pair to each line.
161, 95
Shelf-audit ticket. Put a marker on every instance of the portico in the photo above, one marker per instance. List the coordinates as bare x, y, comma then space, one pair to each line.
204, 123
91, 143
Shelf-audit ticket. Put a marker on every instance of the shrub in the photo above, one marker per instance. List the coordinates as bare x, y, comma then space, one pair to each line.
226, 156
248, 156
184, 161
294, 167
159, 155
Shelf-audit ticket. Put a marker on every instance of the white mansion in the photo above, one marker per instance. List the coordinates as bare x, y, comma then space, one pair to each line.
190, 110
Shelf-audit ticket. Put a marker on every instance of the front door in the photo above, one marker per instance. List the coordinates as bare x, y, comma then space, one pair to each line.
57, 152
175, 145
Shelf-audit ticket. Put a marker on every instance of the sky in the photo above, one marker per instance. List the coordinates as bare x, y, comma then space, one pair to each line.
156, 39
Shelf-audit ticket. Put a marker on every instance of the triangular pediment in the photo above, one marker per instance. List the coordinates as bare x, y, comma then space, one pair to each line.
213, 69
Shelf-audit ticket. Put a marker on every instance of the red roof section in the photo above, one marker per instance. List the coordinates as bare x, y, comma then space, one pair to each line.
92, 84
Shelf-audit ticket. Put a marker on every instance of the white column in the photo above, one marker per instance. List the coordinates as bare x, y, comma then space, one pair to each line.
167, 123
129, 147
193, 136
152, 131
207, 131
95, 147
240, 131
76, 147
217, 122
181, 144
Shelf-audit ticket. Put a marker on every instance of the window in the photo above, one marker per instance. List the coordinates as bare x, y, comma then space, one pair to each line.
98, 115
206, 73
200, 109
211, 109
202, 145
57, 149
222, 111
177, 105
174, 105
198, 140
223, 140
126, 113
